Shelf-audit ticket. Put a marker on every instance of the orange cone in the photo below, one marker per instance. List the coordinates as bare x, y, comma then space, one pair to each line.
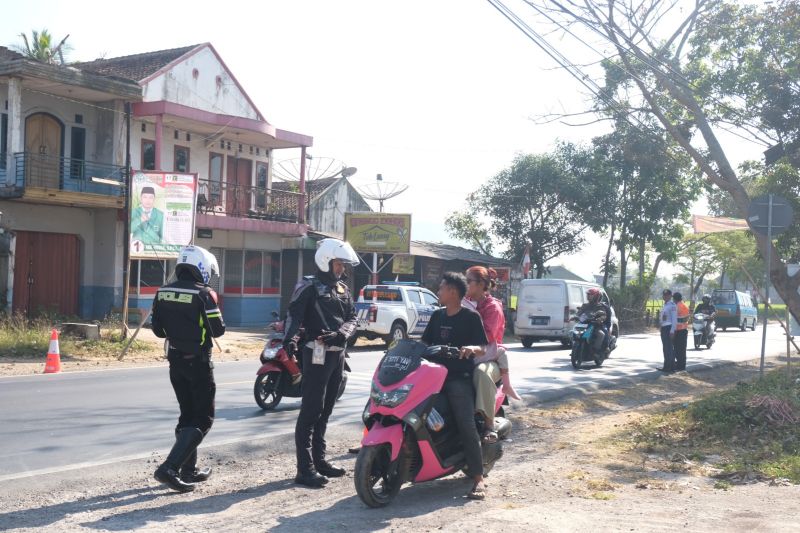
53, 363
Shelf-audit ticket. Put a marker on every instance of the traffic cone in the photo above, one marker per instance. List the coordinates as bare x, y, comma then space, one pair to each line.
53, 363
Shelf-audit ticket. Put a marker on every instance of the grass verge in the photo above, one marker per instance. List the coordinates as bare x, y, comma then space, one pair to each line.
24, 338
752, 430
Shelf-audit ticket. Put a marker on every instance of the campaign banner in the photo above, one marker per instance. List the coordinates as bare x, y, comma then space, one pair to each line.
162, 213
378, 232
704, 224
403, 264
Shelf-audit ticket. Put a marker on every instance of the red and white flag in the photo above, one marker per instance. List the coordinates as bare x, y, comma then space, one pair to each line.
526, 261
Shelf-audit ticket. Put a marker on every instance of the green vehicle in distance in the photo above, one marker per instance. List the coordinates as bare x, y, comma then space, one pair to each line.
734, 310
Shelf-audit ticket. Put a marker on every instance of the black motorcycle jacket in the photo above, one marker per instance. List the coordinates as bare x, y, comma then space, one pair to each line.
590, 308
706, 309
186, 313
321, 304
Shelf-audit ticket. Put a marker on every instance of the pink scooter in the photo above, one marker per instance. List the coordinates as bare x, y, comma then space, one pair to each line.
412, 436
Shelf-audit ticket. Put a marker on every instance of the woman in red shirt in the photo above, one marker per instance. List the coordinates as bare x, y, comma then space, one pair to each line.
494, 364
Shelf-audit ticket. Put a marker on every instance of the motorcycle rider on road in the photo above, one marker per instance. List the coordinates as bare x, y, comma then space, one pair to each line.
323, 306
457, 326
708, 309
596, 304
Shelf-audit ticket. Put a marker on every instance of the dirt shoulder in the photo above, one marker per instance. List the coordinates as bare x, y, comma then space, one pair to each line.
564, 470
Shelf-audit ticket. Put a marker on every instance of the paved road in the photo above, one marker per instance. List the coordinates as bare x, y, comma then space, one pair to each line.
61, 421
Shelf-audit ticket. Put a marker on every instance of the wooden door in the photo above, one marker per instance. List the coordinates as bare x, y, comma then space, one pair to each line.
46, 270
238, 178
43, 143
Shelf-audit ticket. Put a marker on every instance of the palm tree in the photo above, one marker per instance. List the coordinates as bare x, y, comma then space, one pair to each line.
42, 49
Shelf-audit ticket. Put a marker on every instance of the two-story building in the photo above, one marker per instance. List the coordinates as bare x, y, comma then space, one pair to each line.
60, 127
189, 114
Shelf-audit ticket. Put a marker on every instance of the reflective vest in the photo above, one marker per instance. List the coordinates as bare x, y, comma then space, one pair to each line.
683, 316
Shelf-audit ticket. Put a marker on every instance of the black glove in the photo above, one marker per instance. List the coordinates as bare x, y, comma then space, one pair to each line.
291, 347
332, 338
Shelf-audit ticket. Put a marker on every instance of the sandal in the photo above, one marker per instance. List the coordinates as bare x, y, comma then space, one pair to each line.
489, 436
478, 491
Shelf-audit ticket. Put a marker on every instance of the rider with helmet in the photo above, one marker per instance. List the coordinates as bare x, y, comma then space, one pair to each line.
186, 313
594, 304
322, 305
708, 309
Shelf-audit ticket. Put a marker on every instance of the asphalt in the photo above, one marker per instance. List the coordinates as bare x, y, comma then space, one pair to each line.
56, 422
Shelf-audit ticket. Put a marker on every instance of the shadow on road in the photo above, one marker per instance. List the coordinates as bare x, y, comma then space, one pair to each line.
351, 515
216, 503
49, 514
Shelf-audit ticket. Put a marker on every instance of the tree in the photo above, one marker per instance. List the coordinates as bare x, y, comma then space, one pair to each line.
740, 70
465, 226
530, 202
42, 48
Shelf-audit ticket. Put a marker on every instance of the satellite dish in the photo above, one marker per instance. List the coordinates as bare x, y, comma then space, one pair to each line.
317, 168
381, 190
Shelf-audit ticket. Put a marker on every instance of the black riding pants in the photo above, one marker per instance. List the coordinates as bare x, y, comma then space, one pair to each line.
192, 378
320, 387
461, 395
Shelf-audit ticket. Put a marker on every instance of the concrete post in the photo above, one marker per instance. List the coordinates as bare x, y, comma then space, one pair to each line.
16, 139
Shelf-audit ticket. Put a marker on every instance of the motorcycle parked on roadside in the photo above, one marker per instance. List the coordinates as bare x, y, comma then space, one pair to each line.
412, 436
703, 329
588, 338
274, 379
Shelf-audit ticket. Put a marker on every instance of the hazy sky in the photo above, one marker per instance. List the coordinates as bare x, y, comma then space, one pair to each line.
436, 94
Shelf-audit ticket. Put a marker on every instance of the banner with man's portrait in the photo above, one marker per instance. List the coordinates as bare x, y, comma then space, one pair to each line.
162, 213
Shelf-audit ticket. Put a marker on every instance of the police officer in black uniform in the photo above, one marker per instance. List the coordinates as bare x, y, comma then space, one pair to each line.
322, 305
186, 314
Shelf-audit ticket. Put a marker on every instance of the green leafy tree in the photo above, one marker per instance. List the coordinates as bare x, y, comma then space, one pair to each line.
40, 47
530, 202
465, 226
718, 65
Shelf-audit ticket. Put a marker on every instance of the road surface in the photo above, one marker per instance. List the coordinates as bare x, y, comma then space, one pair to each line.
52, 422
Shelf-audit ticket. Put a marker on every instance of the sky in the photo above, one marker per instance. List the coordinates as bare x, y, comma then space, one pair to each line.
439, 95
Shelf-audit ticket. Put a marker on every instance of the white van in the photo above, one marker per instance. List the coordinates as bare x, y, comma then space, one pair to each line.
545, 306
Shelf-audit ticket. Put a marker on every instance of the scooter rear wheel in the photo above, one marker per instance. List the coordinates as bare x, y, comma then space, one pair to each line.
267, 390
377, 478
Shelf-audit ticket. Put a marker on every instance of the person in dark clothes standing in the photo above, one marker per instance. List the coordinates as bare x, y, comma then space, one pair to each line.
669, 325
457, 326
185, 313
681, 332
322, 305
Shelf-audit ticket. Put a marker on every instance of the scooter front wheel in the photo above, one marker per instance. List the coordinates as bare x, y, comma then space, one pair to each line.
575, 357
697, 343
267, 390
377, 478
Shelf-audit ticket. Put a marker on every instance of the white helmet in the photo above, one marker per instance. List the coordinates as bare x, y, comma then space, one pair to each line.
330, 249
199, 261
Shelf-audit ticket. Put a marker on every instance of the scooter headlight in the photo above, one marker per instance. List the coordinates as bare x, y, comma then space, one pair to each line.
391, 398
269, 353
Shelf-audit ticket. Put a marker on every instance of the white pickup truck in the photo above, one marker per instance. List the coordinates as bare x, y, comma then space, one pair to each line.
394, 311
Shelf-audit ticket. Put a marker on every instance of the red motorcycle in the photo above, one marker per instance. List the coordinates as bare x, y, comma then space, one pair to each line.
274, 379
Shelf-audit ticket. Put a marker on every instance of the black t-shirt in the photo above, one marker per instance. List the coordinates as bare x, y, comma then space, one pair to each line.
465, 328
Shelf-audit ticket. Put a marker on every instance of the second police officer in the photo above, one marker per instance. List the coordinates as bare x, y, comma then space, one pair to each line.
321, 304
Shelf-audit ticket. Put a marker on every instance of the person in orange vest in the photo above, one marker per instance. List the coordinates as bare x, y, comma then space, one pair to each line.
681, 332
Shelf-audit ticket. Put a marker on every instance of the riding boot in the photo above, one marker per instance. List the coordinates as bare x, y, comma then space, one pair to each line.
168, 473
189, 471
508, 389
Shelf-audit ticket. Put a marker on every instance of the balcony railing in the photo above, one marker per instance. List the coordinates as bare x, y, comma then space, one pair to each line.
247, 201
67, 174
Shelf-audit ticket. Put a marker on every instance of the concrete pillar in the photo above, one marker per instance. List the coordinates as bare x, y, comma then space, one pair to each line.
16, 138
301, 203
118, 136
159, 139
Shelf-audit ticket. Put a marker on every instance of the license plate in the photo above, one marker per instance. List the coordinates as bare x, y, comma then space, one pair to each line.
361, 323
540, 320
